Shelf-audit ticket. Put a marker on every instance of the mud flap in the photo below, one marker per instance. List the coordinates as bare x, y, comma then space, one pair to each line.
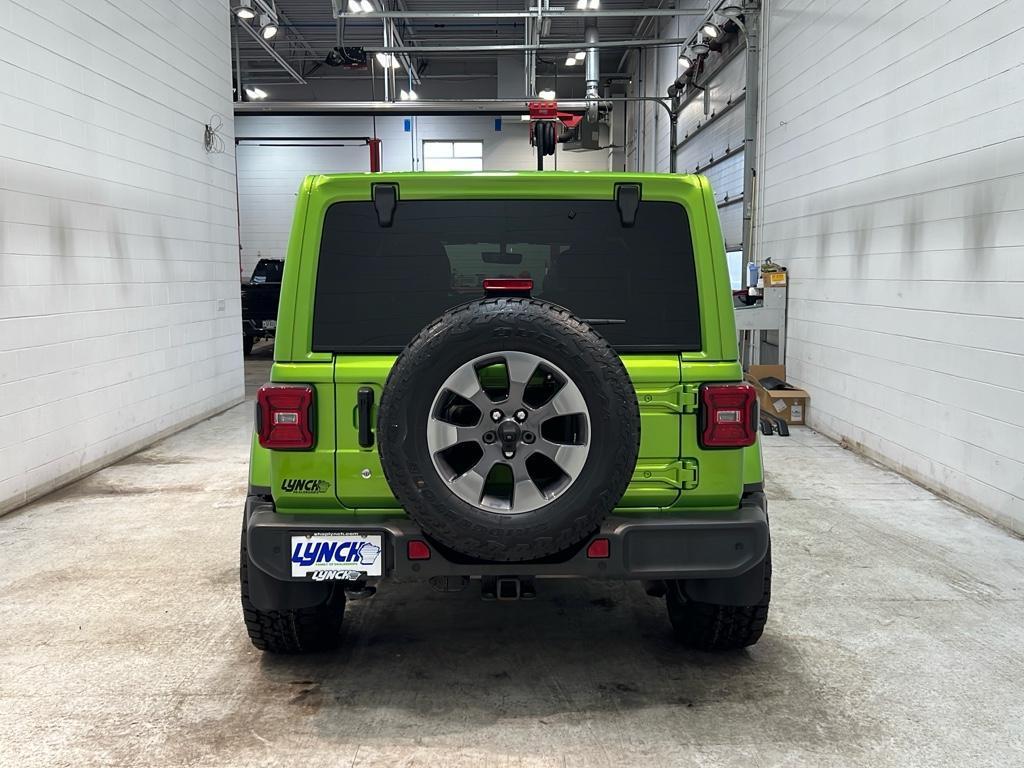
270, 594
745, 589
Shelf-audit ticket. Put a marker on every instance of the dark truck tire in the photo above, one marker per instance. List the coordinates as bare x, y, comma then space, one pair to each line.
303, 630
247, 344
477, 330
712, 627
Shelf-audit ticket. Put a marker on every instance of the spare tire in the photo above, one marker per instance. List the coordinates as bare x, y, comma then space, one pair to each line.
508, 429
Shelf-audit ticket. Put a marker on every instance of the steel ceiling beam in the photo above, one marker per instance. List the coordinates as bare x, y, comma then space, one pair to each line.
422, 106
273, 54
569, 46
551, 13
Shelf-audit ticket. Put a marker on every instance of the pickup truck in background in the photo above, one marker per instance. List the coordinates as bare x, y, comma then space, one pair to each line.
260, 297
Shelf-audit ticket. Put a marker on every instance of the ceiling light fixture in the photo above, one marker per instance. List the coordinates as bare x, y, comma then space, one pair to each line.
571, 61
387, 60
409, 95
710, 30
685, 62
700, 48
268, 26
366, 6
547, 94
580, 55
353, 6
581, 5
731, 9
243, 9
595, 4
254, 93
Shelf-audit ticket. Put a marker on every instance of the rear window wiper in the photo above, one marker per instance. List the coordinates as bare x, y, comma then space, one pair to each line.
603, 321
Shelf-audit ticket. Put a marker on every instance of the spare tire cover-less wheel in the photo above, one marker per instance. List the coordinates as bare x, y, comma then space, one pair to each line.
508, 429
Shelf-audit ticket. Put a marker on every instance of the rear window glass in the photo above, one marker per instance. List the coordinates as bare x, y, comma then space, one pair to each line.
378, 286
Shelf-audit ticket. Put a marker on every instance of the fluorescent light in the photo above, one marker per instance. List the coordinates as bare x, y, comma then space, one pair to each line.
243, 9
710, 31
366, 5
571, 61
254, 93
409, 95
547, 94
595, 4
387, 60
268, 26
581, 5
353, 6
580, 55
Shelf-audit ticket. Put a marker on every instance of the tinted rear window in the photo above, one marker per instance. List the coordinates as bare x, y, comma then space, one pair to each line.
377, 287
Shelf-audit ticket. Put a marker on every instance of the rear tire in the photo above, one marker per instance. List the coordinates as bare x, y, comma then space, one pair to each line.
304, 630
712, 627
247, 344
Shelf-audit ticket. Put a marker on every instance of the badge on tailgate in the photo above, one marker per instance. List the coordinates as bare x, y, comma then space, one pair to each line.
341, 556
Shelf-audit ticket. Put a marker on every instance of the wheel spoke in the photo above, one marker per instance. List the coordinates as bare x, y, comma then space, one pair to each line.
442, 435
465, 382
521, 367
470, 485
525, 495
565, 402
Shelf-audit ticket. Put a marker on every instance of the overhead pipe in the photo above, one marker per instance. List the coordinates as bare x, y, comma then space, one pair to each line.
593, 73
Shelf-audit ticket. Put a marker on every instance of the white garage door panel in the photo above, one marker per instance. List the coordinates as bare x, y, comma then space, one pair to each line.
268, 180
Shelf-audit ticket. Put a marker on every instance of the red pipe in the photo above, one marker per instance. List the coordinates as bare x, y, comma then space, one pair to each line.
374, 145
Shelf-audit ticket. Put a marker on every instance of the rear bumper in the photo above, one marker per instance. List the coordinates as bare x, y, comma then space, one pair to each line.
723, 545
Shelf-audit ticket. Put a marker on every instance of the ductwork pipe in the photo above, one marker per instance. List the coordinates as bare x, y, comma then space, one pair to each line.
593, 72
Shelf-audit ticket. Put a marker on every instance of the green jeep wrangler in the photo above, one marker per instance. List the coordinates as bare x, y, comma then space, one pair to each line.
501, 378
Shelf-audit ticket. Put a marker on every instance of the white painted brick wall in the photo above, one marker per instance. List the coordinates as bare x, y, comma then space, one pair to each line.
893, 188
119, 310
269, 176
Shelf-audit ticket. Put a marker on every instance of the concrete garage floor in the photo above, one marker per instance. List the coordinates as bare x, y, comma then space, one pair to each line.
895, 639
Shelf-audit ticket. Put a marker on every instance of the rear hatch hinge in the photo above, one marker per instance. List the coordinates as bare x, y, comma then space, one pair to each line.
682, 398
681, 474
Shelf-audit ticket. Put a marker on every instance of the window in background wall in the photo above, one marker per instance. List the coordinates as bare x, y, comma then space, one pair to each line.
453, 155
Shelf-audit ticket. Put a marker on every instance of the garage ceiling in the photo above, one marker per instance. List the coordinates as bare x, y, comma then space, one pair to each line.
308, 33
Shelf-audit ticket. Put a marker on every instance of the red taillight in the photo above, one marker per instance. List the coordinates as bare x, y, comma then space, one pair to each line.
728, 415
417, 550
599, 549
284, 416
515, 286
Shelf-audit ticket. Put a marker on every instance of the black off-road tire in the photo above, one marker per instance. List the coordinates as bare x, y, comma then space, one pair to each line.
304, 630
508, 324
247, 344
711, 627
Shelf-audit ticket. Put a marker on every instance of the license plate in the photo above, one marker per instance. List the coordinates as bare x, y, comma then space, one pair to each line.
270, 325
341, 556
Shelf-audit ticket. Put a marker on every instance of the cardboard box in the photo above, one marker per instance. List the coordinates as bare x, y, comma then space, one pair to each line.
790, 405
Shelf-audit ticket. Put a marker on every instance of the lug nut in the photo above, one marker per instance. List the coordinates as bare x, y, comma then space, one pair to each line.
520, 415
489, 437
496, 415
529, 437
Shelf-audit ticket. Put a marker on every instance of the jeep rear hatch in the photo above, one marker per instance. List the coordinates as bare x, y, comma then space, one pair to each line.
378, 286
